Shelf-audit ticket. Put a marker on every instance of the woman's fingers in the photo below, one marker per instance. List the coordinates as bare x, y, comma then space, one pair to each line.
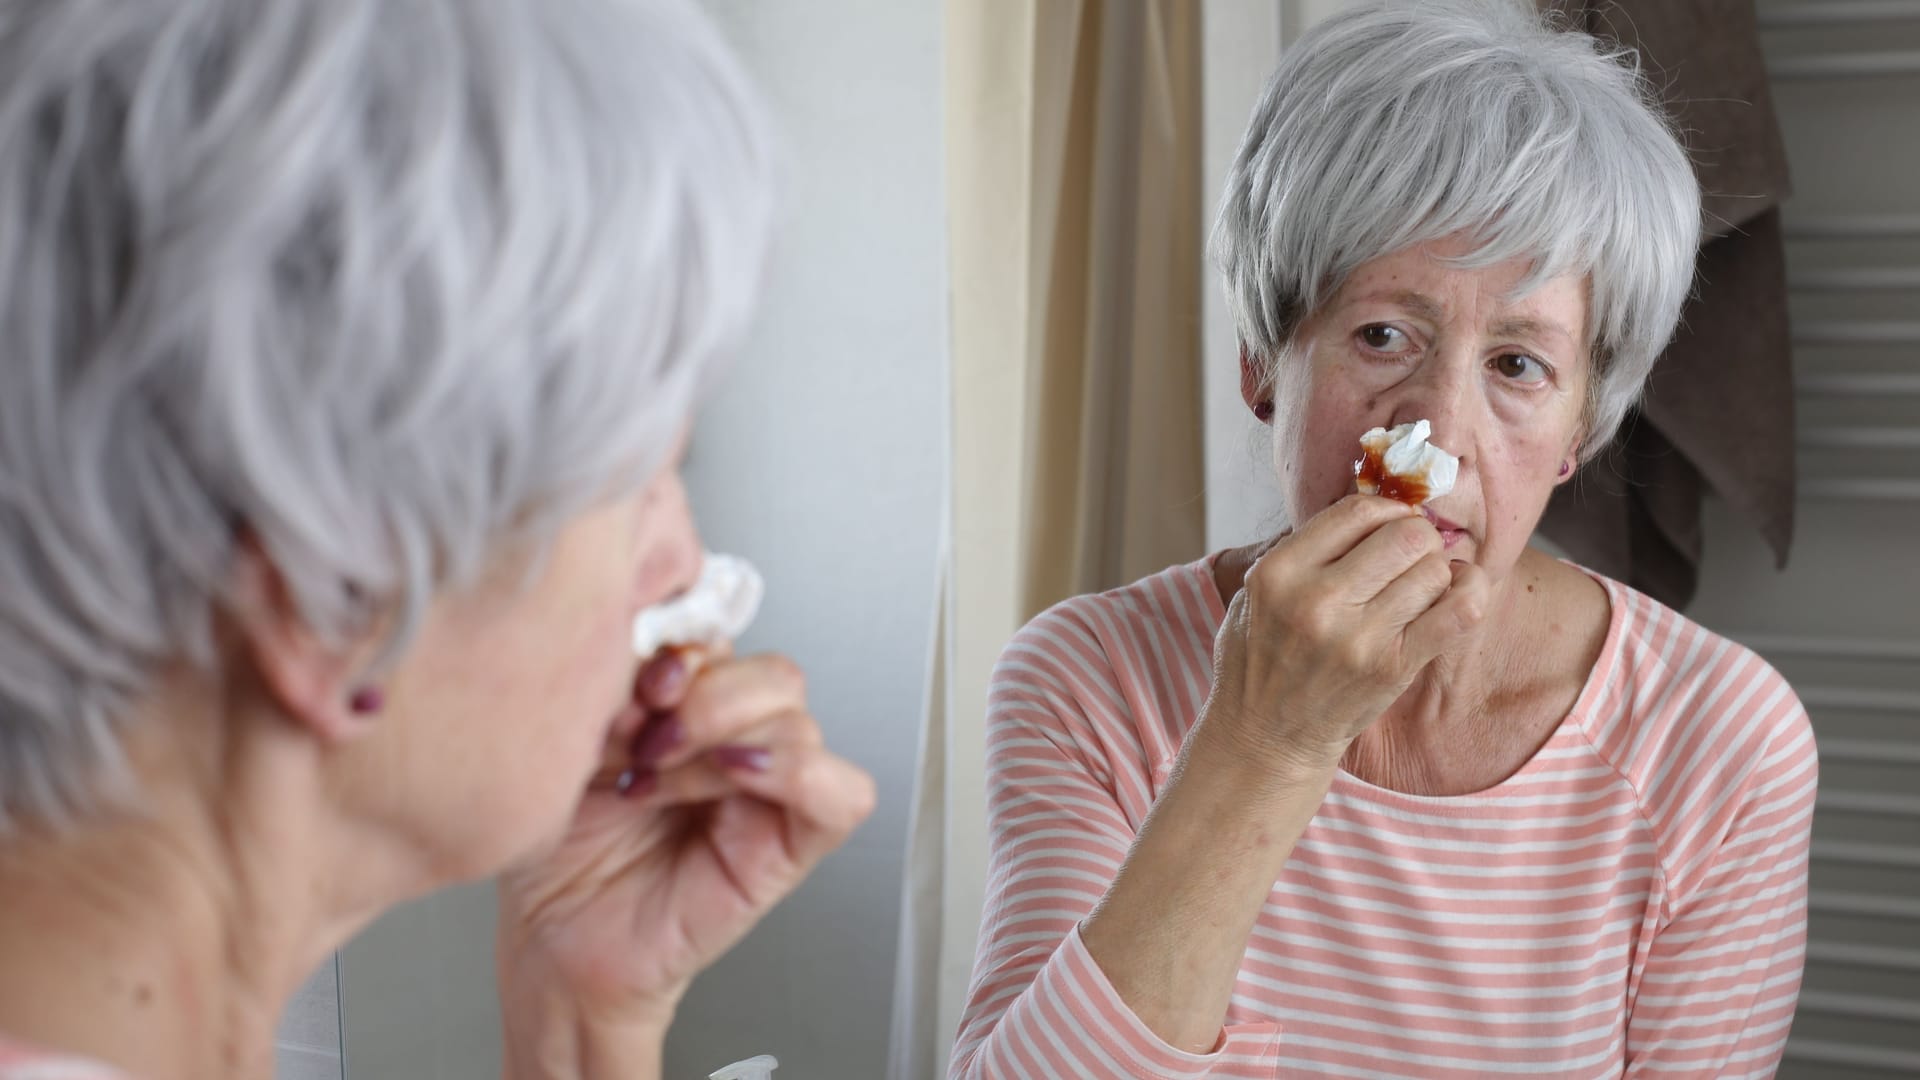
1333, 538
820, 798
728, 700
697, 781
825, 797
662, 683
1413, 592
710, 773
792, 813
1385, 556
1458, 611
742, 728
1334, 532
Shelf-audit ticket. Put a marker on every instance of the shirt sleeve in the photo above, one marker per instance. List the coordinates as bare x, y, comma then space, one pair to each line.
1039, 1006
1722, 975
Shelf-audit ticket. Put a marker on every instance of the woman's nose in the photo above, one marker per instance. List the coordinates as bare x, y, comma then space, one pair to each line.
1441, 393
675, 555
689, 552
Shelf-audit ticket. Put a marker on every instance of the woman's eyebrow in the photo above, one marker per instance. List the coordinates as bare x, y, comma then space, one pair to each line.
1526, 326
1418, 303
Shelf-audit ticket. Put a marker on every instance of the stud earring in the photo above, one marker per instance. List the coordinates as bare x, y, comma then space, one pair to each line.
1263, 411
1565, 468
367, 699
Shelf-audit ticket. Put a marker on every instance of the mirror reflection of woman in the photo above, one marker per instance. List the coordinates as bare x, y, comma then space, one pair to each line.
1394, 793
347, 352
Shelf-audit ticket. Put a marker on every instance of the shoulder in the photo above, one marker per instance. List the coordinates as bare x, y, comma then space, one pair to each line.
1705, 730
1087, 667
1674, 675
1098, 638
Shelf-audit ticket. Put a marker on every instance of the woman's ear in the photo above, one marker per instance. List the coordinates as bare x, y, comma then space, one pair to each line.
310, 681
1253, 379
1570, 460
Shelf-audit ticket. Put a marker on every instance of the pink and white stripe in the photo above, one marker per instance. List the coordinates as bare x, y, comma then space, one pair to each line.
1631, 903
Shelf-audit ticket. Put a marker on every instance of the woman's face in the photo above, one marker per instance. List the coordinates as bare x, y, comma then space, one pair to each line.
1408, 337
500, 711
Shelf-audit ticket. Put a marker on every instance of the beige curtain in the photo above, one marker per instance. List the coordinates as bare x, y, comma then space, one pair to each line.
1076, 234
1112, 291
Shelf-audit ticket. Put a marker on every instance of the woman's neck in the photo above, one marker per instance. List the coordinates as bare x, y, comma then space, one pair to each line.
135, 947
166, 942
1479, 712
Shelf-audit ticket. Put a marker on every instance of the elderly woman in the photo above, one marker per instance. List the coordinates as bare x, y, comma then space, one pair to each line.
349, 345
1395, 794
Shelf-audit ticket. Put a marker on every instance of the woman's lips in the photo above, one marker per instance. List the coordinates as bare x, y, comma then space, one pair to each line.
1450, 532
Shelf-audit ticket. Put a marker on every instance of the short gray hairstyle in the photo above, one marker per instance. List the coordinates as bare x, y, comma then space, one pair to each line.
1393, 124
388, 285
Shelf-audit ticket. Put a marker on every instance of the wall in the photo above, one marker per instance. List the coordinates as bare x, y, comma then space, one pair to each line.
824, 460
1241, 45
417, 991
307, 1046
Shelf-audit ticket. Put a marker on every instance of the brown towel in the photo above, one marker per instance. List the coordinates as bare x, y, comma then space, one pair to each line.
1719, 407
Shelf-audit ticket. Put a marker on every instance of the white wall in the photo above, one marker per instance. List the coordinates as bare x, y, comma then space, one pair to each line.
824, 460
417, 992
307, 1046
1240, 44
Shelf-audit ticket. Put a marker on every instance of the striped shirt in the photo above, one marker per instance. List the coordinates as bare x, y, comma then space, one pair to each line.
1631, 902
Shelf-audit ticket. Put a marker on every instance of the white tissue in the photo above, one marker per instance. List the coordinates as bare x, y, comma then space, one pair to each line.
718, 608
757, 1068
1405, 451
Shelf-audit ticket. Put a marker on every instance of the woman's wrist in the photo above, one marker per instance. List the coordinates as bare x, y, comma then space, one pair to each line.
1237, 752
551, 1037
553, 1032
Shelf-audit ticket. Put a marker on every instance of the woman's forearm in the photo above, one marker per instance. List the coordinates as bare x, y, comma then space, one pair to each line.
1172, 930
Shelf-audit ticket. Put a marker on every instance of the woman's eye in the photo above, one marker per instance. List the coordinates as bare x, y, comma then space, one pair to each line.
1382, 338
1519, 367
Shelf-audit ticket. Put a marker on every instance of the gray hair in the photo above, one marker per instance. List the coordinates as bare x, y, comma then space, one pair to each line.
1394, 124
387, 285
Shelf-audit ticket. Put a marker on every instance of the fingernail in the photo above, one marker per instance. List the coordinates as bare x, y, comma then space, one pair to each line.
635, 783
657, 740
749, 758
664, 678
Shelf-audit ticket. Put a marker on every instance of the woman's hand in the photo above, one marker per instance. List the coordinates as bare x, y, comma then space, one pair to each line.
1331, 626
723, 803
